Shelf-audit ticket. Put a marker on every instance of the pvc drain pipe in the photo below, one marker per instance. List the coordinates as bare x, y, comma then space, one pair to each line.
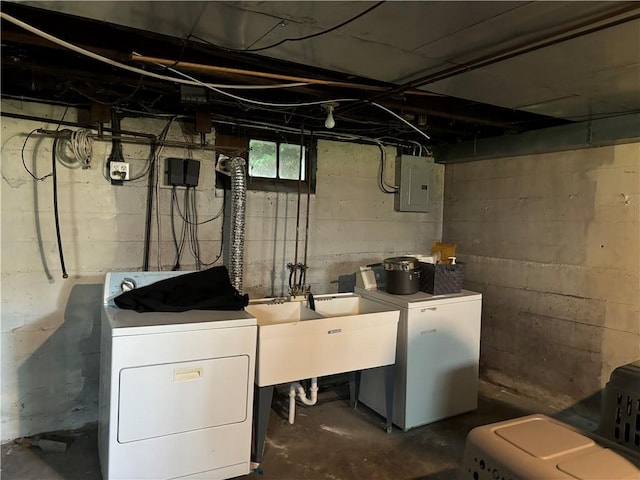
296, 388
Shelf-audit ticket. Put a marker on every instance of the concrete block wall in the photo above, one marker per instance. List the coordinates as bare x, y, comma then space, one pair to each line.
352, 222
552, 241
50, 325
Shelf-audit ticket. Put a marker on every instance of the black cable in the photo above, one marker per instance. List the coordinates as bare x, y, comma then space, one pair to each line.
148, 166
191, 236
224, 203
194, 226
124, 98
298, 39
55, 207
382, 185
149, 210
187, 219
24, 163
183, 231
156, 148
189, 222
179, 246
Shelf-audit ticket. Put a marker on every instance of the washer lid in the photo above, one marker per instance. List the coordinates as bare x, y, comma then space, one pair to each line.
418, 299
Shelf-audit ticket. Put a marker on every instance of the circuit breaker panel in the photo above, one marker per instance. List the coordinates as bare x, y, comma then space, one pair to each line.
413, 178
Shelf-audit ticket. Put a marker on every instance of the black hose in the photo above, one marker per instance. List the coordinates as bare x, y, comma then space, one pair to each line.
149, 210
55, 206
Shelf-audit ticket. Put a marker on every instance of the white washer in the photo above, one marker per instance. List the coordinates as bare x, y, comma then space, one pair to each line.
437, 356
176, 389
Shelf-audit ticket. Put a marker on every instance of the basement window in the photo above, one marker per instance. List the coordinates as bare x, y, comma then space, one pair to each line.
281, 161
274, 163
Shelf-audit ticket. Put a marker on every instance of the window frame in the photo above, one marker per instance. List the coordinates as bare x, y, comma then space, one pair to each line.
277, 184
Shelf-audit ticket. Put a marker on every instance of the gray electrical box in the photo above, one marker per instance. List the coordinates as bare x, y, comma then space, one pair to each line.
413, 177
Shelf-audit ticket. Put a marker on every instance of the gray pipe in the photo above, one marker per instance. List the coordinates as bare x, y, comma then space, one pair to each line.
236, 168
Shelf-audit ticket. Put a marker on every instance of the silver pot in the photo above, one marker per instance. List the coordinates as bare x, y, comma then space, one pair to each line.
403, 275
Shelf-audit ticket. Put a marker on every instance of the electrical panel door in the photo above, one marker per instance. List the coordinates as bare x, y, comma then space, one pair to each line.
413, 179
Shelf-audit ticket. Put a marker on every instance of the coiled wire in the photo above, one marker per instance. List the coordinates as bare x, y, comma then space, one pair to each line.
82, 146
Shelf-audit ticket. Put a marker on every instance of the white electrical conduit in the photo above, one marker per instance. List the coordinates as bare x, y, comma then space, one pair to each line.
193, 81
140, 71
302, 104
296, 388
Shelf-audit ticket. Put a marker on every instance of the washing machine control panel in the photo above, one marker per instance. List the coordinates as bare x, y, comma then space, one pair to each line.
127, 284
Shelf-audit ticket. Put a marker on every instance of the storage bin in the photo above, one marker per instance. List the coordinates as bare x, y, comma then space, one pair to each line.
537, 447
442, 278
620, 416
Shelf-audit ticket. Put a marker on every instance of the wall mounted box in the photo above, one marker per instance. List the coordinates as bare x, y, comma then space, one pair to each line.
191, 172
182, 172
413, 178
175, 171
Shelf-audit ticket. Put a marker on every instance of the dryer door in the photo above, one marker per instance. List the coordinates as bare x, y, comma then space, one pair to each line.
165, 399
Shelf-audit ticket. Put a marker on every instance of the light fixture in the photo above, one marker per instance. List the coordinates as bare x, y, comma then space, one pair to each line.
330, 121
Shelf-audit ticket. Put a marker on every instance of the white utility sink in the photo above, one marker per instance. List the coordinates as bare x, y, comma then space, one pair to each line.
285, 312
332, 306
345, 333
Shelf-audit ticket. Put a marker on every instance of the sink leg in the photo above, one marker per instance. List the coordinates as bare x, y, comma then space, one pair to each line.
354, 388
388, 394
262, 397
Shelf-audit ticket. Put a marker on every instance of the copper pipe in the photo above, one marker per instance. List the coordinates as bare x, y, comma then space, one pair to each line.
202, 68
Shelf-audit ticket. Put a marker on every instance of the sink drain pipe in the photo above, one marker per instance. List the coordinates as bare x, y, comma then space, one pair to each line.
296, 388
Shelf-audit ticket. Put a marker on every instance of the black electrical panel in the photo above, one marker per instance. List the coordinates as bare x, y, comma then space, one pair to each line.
191, 173
175, 171
182, 172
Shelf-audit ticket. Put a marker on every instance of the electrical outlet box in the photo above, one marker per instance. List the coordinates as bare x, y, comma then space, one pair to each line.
413, 177
191, 173
175, 171
182, 172
119, 171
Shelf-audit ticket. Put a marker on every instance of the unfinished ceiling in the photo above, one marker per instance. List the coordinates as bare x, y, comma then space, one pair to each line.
454, 70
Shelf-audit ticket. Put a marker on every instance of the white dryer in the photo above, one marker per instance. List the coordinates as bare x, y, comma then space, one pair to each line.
176, 389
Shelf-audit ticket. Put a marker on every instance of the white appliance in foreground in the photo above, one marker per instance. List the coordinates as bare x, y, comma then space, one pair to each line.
176, 389
437, 357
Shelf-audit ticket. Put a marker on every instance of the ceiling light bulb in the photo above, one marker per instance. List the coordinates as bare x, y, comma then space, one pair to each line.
330, 122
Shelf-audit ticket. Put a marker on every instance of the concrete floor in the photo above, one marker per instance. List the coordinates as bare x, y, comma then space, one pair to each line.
329, 441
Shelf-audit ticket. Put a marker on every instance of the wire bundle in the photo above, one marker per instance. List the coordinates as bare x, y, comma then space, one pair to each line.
189, 229
82, 146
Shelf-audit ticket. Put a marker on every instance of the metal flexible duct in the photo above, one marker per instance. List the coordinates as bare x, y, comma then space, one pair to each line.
236, 169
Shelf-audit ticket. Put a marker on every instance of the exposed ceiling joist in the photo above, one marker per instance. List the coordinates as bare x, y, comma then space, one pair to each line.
462, 51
